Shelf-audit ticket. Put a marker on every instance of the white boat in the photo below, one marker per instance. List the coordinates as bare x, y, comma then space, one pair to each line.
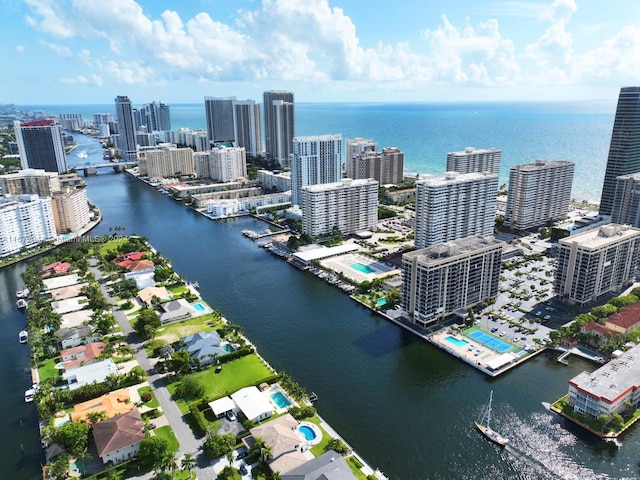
21, 304
22, 293
29, 394
485, 428
23, 336
83, 154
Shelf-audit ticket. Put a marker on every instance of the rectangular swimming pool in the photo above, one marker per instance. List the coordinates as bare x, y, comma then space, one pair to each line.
456, 341
490, 341
280, 400
198, 307
362, 268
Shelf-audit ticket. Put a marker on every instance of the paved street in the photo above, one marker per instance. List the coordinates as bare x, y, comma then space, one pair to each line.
187, 440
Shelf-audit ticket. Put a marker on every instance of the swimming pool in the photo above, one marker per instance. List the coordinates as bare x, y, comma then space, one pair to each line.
228, 348
308, 432
456, 341
381, 302
280, 399
362, 268
199, 307
490, 341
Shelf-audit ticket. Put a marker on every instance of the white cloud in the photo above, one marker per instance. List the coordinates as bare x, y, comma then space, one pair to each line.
313, 42
20, 48
60, 50
78, 79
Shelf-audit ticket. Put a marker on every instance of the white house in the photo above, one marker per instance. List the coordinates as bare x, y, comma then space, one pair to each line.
252, 403
118, 438
94, 372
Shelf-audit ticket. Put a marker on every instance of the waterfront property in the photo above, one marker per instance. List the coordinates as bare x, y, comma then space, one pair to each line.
612, 388
358, 267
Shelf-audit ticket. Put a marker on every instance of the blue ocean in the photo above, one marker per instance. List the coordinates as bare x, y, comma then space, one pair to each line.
525, 131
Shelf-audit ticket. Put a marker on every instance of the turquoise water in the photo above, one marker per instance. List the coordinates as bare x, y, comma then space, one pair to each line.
228, 348
308, 432
525, 131
490, 341
362, 268
381, 302
457, 342
198, 307
280, 400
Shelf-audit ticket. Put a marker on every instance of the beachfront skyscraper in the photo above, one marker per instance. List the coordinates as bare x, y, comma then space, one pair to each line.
626, 201
442, 279
315, 160
455, 206
624, 151
227, 164
126, 138
41, 146
387, 166
474, 160
539, 193
249, 127
234, 123
221, 119
279, 125
158, 117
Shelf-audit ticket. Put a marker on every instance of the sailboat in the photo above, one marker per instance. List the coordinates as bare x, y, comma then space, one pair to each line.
485, 428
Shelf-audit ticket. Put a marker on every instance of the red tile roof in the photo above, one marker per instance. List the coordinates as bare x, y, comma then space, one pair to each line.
91, 351
627, 318
139, 265
597, 328
56, 267
118, 432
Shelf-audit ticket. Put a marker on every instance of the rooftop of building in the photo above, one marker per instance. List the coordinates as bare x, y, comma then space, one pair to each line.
456, 177
344, 183
613, 379
474, 151
602, 236
541, 164
461, 247
626, 318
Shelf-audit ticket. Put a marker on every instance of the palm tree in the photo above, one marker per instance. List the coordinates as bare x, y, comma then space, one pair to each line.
188, 463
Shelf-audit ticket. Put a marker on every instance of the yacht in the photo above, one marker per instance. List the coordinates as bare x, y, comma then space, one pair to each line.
23, 336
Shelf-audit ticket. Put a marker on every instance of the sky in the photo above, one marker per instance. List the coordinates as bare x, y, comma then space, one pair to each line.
88, 51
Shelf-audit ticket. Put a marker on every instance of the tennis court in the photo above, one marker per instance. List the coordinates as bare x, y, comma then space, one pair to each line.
490, 341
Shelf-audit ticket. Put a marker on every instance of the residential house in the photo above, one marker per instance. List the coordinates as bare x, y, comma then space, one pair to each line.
204, 347
252, 403
175, 311
118, 438
126, 259
94, 372
597, 334
625, 320
72, 337
147, 294
81, 355
112, 404
329, 465
56, 268
143, 278
140, 266
284, 441
221, 406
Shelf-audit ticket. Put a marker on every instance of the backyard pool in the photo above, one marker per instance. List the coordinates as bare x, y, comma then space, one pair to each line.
280, 399
456, 341
199, 307
228, 348
362, 268
310, 432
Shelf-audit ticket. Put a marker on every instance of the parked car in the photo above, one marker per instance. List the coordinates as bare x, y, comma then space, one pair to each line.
503, 333
243, 469
231, 416
242, 455
494, 329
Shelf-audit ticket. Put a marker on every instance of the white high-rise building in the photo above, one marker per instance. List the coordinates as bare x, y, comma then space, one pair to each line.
350, 205
539, 193
596, 262
474, 160
442, 279
227, 164
30, 181
455, 206
201, 162
315, 160
25, 222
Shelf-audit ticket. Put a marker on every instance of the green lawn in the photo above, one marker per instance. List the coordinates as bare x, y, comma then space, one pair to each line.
166, 433
175, 331
318, 449
153, 403
47, 370
248, 370
178, 289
